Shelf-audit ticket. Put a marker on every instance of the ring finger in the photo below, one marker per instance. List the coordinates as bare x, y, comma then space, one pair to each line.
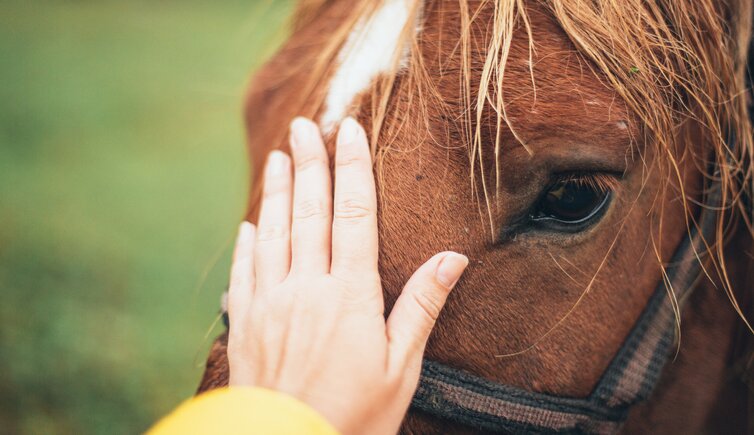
273, 248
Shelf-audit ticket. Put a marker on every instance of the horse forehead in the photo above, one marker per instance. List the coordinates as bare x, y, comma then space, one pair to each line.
371, 49
376, 43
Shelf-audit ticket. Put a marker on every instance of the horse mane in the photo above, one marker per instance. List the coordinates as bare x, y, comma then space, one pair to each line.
680, 67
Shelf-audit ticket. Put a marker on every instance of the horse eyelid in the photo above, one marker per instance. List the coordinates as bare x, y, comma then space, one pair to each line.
604, 182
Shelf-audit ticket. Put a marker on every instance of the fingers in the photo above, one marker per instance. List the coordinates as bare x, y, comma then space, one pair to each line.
241, 285
419, 305
354, 228
312, 199
273, 247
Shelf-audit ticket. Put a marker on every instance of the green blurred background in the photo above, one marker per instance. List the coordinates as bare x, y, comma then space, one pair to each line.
122, 178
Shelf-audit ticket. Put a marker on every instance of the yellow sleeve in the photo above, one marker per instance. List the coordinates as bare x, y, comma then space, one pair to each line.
240, 410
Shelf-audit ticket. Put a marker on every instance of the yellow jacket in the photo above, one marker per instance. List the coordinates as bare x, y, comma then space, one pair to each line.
240, 410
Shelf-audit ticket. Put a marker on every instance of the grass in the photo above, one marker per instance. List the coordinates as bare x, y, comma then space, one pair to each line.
122, 178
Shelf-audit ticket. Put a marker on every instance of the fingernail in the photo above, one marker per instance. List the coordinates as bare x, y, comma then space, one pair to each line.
349, 131
276, 163
244, 232
300, 131
450, 269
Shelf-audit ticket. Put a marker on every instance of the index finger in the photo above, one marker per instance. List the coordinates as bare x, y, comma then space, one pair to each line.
354, 228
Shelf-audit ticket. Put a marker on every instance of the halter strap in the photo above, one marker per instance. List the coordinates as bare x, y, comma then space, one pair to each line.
630, 378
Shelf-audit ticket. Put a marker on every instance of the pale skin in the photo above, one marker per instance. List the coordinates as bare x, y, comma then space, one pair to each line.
305, 301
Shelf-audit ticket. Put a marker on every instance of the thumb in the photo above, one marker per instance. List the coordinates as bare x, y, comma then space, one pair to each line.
419, 305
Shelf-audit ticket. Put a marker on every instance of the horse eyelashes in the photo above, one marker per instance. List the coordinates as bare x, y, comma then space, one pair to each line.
598, 181
572, 202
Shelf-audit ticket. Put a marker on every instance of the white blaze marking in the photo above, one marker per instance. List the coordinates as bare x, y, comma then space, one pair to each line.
369, 51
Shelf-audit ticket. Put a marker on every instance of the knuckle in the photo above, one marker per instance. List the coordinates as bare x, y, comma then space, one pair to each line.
350, 159
270, 233
309, 160
357, 293
353, 209
240, 259
274, 187
429, 306
310, 208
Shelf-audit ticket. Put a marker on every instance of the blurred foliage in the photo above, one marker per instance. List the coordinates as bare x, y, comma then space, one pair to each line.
122, 178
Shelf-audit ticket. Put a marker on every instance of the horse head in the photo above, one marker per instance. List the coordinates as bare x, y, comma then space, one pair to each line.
571, 149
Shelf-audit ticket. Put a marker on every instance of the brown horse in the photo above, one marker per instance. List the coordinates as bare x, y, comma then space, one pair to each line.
568, 147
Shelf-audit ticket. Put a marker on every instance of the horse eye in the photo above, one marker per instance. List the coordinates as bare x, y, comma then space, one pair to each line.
570, 204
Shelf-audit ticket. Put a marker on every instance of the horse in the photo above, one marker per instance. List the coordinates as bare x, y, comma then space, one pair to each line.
593, 159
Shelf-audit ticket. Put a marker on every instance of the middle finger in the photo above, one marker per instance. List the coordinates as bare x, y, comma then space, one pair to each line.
312, 199
354, 228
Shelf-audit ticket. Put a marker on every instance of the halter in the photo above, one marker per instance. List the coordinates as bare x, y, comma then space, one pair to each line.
468, 399
630, 378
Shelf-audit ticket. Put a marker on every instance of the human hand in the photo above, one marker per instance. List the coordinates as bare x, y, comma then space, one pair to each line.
305, 302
